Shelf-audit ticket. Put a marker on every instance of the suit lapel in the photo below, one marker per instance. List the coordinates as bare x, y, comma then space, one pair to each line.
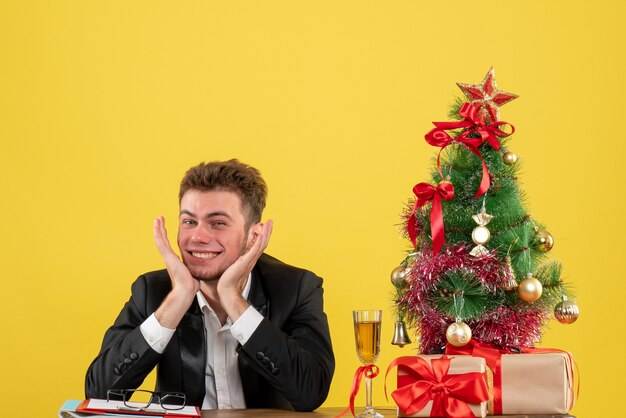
250, 379
191, 334
257, 297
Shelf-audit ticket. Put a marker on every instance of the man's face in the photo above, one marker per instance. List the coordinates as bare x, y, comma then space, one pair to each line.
211, 232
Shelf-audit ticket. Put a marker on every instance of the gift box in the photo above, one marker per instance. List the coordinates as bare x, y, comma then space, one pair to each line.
537, 383
540, 381
438, 386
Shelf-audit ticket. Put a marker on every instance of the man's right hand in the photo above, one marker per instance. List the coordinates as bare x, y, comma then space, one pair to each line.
184, 285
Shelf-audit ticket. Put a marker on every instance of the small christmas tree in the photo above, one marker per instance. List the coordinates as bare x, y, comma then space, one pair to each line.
479, 268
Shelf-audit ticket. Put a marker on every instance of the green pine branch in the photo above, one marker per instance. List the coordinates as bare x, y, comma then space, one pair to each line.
460, 295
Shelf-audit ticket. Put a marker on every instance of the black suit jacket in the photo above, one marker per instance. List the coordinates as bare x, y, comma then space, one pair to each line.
287, 363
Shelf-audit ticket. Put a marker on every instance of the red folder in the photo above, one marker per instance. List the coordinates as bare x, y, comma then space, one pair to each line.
102, 406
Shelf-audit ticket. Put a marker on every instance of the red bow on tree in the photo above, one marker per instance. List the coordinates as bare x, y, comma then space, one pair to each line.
426, 192
450, 393
473, 123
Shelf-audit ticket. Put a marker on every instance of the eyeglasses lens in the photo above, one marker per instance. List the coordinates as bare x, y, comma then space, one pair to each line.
139, 398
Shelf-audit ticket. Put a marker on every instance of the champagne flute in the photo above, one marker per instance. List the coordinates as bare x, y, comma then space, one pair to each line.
367, 339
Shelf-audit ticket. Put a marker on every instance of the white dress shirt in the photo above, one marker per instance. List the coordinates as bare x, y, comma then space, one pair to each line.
222, 379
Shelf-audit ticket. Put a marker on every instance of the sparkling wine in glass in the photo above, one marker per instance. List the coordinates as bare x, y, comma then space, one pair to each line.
367, 339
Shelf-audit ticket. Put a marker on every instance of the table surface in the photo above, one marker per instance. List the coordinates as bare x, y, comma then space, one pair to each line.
325, 413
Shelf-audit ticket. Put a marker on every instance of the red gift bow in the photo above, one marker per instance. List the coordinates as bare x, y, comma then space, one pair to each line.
425, 193
473, 123
493, 357
370, 371
450, 393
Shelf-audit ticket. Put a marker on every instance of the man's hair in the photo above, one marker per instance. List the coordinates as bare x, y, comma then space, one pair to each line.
232, 176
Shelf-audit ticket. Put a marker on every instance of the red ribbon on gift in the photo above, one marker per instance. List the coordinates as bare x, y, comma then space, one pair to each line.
493, 357
450, 393
370, 371
473, 123
426, 192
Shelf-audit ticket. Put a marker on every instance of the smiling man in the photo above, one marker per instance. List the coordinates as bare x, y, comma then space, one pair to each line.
227, 325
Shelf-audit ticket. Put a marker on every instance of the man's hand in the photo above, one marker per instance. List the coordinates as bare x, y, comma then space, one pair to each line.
230, 285
181, 277
184, 286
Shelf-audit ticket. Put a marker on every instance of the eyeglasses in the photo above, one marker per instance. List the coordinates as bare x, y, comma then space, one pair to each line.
139, 400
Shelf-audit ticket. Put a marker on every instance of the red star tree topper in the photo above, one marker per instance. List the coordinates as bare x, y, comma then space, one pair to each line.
487, 96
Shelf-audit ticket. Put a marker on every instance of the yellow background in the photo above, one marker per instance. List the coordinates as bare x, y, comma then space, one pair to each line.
105, 104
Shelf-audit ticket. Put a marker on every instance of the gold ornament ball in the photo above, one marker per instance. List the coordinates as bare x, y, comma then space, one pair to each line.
398, 276
566, 312
544, 240
458, 334
509, 158
529, 289
481, 235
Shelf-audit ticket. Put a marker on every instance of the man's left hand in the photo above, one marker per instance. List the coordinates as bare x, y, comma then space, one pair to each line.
231, 283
